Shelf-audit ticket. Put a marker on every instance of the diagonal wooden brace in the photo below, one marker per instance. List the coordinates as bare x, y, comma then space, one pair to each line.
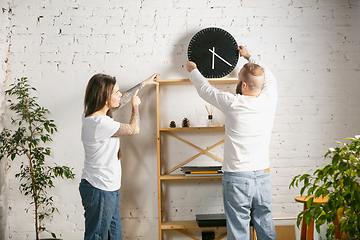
192, 237
195, 156
221, 236
187, 234
193, 145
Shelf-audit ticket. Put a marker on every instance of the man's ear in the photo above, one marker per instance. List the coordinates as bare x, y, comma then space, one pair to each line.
244, 84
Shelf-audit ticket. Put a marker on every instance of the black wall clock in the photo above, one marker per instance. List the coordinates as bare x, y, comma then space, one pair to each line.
214, 51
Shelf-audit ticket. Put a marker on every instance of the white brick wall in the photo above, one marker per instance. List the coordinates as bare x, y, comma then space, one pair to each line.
4, 46
311, 46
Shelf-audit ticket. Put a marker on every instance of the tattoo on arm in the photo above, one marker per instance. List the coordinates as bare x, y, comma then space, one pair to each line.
133, 127
126, 97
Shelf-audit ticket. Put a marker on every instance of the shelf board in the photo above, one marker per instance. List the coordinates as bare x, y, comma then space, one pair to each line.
187, 81
182, 225
191, 128
182, 176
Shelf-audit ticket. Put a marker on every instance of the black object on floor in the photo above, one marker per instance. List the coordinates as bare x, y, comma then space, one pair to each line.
208, 236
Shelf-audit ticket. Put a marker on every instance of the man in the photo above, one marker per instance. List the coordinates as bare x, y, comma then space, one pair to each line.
249, 119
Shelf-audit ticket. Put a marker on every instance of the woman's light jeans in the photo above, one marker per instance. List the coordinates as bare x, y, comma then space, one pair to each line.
247, 196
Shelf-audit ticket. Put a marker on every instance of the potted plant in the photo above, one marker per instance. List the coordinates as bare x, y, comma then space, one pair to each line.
32, 130
340, 182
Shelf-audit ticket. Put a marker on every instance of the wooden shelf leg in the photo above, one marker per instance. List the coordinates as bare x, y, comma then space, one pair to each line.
310, 231
304, 228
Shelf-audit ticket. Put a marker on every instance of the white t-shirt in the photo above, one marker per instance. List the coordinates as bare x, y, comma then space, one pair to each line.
102, 169
249, 122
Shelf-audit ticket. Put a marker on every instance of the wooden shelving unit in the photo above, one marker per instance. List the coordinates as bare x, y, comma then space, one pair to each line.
169, 175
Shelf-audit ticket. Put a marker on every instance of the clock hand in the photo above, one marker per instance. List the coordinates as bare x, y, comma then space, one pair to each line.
213, 58
213, 52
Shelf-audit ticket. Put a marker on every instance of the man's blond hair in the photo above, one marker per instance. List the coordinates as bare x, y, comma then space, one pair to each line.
251, 74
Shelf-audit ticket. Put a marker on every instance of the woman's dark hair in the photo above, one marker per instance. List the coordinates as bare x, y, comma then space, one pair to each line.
98, 91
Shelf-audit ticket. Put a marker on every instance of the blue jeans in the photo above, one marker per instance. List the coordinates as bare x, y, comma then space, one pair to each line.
247, 196
102, 213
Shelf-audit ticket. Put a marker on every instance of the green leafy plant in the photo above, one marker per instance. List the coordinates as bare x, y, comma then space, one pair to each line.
32, 129
340, 182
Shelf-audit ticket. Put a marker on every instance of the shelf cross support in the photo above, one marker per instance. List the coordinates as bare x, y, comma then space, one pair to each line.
193, 145
194, 238
187, 234
203, 151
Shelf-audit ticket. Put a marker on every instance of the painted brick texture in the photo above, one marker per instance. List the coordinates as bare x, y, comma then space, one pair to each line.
312, 47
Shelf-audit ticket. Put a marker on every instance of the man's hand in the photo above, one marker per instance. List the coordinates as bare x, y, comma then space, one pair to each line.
244, 52
190, 66
151, 80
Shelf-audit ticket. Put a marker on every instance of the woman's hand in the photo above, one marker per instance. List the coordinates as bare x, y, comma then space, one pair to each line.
134, 126
151, 80
135, 99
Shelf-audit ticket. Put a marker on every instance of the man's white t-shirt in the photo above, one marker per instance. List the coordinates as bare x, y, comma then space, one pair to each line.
249, 121
102, 168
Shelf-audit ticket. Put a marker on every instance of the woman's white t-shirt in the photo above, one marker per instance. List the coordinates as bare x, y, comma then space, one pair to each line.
102, 168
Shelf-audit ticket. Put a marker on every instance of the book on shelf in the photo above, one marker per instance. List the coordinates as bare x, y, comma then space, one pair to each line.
211, 220
196, 171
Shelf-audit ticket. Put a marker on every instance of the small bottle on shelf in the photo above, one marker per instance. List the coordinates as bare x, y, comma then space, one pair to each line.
210, 122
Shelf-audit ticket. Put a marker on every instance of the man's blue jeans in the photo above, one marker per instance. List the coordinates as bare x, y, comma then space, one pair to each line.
247, 196
102, 213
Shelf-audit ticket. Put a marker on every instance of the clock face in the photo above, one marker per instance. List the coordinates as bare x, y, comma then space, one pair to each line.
214, 51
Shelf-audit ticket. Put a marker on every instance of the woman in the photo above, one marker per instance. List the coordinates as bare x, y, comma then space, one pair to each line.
101, 177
